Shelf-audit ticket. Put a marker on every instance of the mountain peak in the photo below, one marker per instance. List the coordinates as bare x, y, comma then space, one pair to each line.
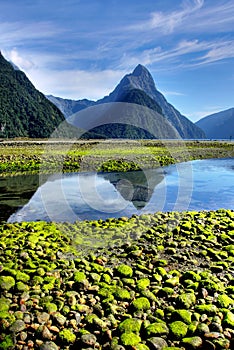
139, 70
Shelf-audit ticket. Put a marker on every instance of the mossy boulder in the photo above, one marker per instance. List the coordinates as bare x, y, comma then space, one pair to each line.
186, 300
141, 304
182, 315
178, 329
132, 325
229, 319
7, 282
224, 300
130, 339
157, 328
124, 270
143, 283
192, 342
67, 336
208, 309
79, 277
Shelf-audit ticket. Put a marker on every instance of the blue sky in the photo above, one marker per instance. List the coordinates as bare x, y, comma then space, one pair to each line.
82, 48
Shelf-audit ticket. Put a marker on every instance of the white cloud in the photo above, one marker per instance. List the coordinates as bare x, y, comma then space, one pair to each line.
18, 33
175, 57
75, 84
192, 16
19, 61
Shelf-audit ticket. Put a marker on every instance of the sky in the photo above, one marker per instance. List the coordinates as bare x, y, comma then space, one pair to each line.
82, 48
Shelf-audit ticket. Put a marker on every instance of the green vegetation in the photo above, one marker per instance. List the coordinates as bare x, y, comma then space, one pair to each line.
24, 111
101, 155
88, 284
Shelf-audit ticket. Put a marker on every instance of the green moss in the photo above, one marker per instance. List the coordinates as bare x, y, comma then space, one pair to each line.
79, 277
21, 276
6, 282
67, 336
4, 304
141, 347
143, 283
130, 339
208, 309
7, 343
122, 294
186, 300
229, 319
132, 325
178, 329
224, 300
157, 329
141, 303
182, 315
192, 342
124, 270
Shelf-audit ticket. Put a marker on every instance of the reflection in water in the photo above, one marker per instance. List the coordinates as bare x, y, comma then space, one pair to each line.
16, 191
138, 187
197, 185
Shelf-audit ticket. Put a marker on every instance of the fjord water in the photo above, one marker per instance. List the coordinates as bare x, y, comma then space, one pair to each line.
196, 185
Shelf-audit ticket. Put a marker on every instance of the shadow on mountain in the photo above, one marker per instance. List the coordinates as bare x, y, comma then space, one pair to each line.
136, 186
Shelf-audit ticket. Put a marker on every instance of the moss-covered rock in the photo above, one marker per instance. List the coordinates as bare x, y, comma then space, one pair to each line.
141, 303
157, 329
7, 282
178, 329
130, 339
132, 325
67, 336
124, 270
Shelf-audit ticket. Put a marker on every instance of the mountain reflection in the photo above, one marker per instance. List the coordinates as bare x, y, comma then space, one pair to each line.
136, 186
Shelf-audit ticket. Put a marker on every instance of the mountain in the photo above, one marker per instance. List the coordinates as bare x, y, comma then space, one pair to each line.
69, 107
24, 111
218, 125
136, 88
142, 79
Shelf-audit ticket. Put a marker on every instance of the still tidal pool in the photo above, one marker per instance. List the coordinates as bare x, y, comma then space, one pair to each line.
195, 185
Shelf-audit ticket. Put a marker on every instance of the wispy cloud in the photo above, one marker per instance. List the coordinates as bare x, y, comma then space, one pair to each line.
203, 52
18, 32
192, 16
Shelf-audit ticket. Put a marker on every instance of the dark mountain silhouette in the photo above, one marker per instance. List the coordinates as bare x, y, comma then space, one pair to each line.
218, 125
24, 111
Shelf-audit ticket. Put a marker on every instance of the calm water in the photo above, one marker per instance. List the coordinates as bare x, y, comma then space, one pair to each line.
196, 185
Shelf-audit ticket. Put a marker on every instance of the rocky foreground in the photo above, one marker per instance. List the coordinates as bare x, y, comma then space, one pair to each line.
162, 281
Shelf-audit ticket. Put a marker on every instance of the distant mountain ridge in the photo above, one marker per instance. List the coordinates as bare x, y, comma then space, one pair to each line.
138, 87
218, 125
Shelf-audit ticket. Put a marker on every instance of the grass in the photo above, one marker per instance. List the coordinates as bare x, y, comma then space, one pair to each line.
67, 156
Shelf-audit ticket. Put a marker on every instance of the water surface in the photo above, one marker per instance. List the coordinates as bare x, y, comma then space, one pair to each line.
195, 185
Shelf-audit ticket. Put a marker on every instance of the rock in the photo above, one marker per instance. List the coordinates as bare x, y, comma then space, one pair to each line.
6, 282
49, 345
43, 317
18, 326
46, 334
179, 329
89, 339
130, 325
157, 329
156, 343
60, 319
141, 303
130, 339
192, 342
